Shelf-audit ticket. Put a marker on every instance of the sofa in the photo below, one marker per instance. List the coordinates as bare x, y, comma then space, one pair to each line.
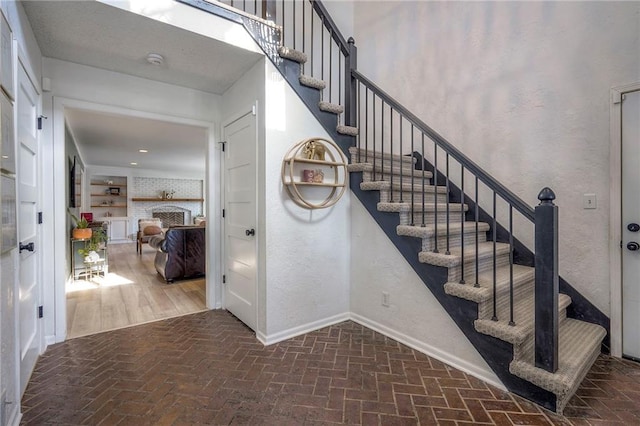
180, 253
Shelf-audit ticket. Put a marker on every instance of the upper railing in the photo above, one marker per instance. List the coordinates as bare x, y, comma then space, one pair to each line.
387, 126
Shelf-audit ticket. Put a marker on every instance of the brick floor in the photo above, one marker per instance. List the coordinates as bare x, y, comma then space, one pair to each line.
208, 368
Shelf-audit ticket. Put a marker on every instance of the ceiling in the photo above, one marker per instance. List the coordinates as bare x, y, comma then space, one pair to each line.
98, 35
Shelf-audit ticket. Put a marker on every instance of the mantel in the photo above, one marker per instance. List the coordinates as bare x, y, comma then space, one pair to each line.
167, 199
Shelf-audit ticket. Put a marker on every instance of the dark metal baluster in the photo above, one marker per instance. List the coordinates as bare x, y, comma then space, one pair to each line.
435, 194
447, 182
495, 278
462, 223
313, 36
358, 109
511, 322
322, 52
373, 118
293, 29
244, 5
366, 124
304, 44
424, 194
393, 198
400, 161
330, 64
412, 174
284, 40
477, 283
339, 82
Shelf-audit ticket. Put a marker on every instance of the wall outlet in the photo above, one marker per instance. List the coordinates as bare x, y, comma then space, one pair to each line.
385, 299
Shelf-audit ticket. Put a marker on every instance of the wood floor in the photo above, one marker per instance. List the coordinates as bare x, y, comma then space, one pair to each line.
131, 293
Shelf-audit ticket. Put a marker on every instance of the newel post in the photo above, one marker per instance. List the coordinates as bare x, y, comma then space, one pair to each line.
350, 84
546, 285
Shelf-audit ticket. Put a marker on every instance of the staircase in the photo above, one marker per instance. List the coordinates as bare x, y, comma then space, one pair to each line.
480, 273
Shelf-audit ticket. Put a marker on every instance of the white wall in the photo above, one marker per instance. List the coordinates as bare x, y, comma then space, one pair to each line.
522, 88
303, 271
414, 317
307, 251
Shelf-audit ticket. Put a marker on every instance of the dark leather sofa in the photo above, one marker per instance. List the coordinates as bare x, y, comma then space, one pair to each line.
180, 253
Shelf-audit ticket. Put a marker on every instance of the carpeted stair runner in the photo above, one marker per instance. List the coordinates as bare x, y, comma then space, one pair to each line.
410, 193
305, 80
579, 341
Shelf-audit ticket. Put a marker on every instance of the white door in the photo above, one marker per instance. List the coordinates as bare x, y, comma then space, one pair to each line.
240, 219
631, 225
27, 179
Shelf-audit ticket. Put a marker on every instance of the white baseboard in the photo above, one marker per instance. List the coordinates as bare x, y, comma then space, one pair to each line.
49, 340
432, 351
302, 329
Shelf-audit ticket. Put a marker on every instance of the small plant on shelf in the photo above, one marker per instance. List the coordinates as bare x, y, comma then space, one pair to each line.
82, 230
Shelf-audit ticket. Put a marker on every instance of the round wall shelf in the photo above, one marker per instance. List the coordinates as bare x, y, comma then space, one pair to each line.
327, 159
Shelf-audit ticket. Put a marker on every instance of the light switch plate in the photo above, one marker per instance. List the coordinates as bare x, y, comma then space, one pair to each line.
589, 201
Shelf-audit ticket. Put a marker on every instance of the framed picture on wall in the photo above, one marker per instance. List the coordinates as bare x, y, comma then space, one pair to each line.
9, 226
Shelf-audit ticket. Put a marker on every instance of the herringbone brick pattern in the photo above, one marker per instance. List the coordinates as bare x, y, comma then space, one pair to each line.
208, 368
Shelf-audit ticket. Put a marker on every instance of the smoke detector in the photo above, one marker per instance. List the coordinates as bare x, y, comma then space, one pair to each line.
155, 59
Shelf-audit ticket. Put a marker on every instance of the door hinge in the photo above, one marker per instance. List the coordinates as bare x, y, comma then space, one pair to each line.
253, 110
224, 279
223, 143
223, 213
39, 219
40, 312
39, 121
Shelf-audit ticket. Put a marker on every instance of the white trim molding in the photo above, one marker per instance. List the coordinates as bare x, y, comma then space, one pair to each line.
432, 351
302, 329
615, 215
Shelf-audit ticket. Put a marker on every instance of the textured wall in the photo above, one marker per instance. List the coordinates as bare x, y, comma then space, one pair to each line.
307, 251
522, 88
379, 267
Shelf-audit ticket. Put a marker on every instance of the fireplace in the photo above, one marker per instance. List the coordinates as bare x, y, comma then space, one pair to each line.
171, 216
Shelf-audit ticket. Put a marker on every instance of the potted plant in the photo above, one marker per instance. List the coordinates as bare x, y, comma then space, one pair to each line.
82, 230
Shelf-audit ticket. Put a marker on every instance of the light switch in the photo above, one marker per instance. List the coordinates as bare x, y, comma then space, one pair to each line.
589, 201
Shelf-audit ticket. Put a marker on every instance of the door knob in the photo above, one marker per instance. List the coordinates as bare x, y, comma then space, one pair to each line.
250, 232
633, 227
28, 247
633, 246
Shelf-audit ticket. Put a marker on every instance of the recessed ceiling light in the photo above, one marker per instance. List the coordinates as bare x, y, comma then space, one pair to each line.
133, 164
143, 150
155, 59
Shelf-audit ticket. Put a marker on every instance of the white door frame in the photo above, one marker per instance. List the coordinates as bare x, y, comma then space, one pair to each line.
248, 109
61, 237
615, 215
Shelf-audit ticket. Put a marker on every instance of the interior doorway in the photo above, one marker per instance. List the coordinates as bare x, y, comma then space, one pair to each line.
212, 230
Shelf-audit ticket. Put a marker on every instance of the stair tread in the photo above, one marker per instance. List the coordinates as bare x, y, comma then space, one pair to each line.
386, 169
431, 230
523, 316
313, 82
347, 130
397, 207
485, 250
330, 107
385, 185
292, 54
578, 347
369, 155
